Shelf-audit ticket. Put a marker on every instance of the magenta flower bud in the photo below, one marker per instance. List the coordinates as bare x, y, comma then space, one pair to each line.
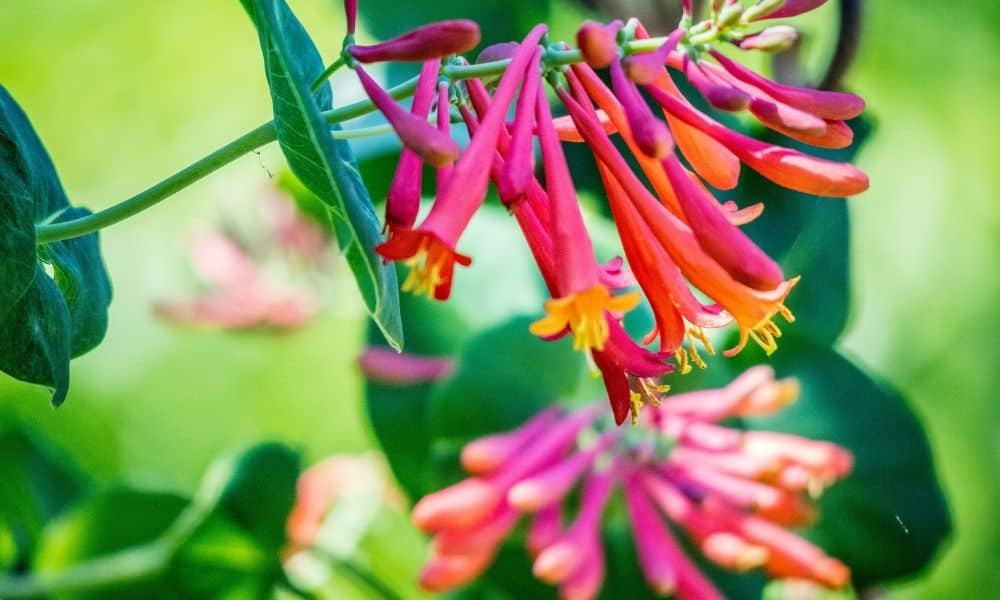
772, 39
415, 133
384, 365
824, 104
783, 117
649, 133
545, 529
720, 95
482, 536
517, 171
487, 454
793, 8
403, 200
351, 12
462, 505
443, 174
646, 67
495, 52
551, 485
597, 44
585, 582
434, 40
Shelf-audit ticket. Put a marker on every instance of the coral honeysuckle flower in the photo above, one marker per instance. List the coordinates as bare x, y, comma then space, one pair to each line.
734, 494
429, 250
584, 302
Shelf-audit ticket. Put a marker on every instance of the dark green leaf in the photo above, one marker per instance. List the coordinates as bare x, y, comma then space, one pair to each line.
81, 277
889, 517
106, 523
260, 491
37, 485
505, 375
326, 166
35, 337
43, 323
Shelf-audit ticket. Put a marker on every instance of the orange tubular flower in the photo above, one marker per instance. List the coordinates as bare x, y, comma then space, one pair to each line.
584, 301
753, 310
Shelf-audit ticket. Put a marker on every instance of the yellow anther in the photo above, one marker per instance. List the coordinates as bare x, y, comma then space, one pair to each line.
681, 356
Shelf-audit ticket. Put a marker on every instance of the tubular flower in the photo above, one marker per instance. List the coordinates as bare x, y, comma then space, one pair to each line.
732, 493
584, 301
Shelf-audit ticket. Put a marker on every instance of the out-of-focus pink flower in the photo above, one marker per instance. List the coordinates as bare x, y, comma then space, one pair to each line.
733, 493
263, 281
323, 484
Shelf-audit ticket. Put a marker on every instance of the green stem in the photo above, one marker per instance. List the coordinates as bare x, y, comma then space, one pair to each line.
327, 73
133, 564
246, 143
265, 134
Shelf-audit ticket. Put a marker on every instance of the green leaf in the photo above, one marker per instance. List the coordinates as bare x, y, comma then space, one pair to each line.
35, 338
809, 236
43, 321
505, 375
37, 485
324, 165
105, 523
889, 517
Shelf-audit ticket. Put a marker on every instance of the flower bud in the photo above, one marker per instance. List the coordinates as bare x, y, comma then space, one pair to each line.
597, 44
792, 8
351, 12
772, 39
762, 9
430, 41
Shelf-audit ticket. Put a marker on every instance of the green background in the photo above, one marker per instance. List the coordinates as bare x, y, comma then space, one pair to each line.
125, 92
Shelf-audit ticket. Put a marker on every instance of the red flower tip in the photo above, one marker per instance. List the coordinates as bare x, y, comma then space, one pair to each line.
434, 40
597, 44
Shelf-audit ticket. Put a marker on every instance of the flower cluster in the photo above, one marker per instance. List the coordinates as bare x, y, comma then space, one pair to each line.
258, 267
733, 493
674, 232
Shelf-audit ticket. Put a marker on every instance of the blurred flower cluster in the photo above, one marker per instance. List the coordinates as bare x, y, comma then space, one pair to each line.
733, 493
675, 233
261, 268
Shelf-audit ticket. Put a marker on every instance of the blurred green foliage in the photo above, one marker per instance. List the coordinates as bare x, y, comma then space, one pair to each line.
124, 93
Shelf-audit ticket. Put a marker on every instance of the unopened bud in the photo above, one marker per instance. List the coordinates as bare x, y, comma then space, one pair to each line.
761, 10
430, 41
792, 8
773, 39
729, 15
597, 44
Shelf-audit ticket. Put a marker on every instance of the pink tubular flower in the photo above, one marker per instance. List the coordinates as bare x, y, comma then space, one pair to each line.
725, 489
403, 200
394, 368
793, 8
351, 13
434, 40
584, 302
597, 43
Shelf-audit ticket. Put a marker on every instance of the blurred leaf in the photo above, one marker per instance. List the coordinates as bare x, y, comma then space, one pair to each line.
326, 166
792, 589
43, 323
37, 486
505, 375
889, 517
103, 524
810, 236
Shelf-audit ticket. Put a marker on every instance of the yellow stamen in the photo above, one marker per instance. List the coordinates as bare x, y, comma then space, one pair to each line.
644, 391
686, 356
425, 274
584, 314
